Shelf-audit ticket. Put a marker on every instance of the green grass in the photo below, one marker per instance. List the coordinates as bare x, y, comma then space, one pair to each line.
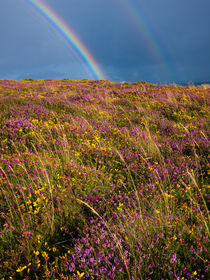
103, 180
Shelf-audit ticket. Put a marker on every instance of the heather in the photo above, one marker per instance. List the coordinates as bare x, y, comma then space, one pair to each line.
103, 180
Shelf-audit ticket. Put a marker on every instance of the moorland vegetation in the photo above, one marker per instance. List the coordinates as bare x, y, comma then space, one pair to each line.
103, 180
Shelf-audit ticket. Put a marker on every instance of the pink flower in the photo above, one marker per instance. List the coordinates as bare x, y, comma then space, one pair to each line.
173, 259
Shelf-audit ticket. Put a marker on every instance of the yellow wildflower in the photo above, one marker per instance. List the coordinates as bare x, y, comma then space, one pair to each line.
80, 274
21, 268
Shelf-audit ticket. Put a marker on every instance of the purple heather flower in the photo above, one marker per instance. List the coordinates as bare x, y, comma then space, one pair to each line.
173, 259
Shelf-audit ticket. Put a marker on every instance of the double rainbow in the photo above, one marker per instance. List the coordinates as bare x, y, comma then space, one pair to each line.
72, 39
158, 52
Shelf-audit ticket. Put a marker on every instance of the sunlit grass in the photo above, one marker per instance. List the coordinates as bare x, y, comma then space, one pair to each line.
103, 180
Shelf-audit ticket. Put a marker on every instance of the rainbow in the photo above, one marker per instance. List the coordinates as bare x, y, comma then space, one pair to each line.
72, 39
154, 45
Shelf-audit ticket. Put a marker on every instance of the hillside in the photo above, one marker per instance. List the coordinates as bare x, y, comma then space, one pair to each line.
103, 180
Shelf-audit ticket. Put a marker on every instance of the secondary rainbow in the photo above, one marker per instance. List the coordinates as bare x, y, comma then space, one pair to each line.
155, 47
72, 39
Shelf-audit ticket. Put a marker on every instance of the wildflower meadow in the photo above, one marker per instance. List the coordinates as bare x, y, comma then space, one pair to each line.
103, 180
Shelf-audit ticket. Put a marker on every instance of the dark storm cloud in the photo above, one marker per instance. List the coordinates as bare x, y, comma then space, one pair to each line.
179, 28
46, 74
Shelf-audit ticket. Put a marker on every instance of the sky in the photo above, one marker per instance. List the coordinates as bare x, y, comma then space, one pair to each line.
159, 41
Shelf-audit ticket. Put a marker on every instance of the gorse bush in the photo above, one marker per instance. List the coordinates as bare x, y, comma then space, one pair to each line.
103, 180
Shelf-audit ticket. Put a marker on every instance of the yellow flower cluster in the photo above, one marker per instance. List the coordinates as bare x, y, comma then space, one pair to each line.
120, 207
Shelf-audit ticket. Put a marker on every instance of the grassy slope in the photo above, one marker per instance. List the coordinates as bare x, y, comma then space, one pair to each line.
103, 180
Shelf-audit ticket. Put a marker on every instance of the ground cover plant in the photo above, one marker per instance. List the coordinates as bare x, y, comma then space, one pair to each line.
103, 180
